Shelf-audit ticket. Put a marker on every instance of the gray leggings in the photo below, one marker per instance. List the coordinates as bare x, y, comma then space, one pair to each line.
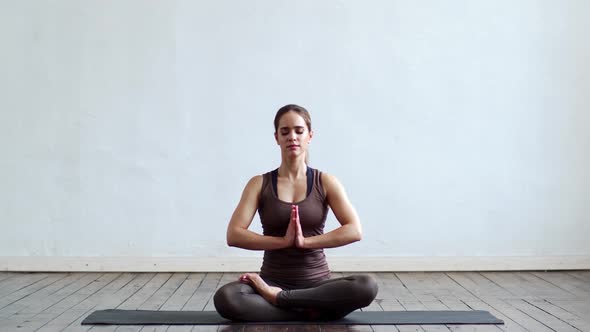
327, 300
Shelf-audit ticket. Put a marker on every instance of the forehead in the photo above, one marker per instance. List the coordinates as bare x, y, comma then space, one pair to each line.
291, 119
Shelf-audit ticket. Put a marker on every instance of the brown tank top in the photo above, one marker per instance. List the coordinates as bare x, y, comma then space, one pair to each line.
293, 268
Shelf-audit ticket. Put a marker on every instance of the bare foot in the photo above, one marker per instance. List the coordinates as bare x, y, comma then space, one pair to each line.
269, 293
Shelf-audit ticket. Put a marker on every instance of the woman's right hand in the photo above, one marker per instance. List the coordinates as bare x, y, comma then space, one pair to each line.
294, 235
291, 233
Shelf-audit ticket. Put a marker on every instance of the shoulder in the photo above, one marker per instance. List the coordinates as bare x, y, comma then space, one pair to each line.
327, 178
330, 183
255, 183
253, 189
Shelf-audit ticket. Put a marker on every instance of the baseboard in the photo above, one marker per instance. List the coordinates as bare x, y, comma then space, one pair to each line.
338, 264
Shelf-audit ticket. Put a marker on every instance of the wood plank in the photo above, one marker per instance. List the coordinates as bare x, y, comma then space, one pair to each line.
434, 286
14, 284
163, 294
157, 301
154, 294
256, 328
394, 305
567, 282
140, 297
138, 281
16, 301
80, 290
439, 305
293, 328
541, 316
420, 284
392, 288
451, 290
205, 328
160, 328
180, 298
15, 322
544, 289
345, 328
460, 305
514, 284
58, 302
8, 275
28, 314
518, 316
70, 320
509, 324
62, 293
582, 275
204, 293
580, 308
136, 299
563, 315
421, 306
203, 296
478, 285
81, 304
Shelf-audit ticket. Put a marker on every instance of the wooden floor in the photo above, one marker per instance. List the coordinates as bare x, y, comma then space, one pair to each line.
526, 301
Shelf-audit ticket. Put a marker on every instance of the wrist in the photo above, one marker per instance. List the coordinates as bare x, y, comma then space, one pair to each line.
305, 243
285, 242
301, 243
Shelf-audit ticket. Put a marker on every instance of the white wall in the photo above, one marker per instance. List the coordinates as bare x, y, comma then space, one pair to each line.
129, 128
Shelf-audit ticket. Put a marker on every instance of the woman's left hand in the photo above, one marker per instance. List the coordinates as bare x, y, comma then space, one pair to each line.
299, 239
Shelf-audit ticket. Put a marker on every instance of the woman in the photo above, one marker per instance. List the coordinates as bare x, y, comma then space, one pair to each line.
293, 203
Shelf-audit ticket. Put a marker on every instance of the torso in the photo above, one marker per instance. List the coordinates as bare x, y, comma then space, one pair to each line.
292, 268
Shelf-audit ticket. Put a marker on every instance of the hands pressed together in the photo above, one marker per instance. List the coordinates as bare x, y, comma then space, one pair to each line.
294, 235
293, 238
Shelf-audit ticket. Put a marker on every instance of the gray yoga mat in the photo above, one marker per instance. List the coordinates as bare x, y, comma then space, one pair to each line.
149, 317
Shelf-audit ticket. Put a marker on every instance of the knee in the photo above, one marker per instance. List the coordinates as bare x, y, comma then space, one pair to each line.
225, 301
366, 288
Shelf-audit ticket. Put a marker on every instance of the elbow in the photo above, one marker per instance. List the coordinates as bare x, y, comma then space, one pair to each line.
231, 239
230, 242
357, 235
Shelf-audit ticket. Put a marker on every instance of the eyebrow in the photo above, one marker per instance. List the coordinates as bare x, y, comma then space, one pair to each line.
296, 127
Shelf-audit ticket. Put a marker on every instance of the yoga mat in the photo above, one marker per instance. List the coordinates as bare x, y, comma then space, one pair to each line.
149, 317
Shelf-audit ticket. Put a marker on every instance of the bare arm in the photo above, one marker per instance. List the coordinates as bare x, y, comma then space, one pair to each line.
350, 226
238, 234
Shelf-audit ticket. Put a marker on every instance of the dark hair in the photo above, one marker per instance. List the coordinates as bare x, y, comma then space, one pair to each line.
295, 108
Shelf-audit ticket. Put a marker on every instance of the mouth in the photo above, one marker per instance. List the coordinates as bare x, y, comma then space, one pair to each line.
292, 147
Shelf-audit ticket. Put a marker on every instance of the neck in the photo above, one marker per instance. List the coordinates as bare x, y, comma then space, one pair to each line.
293, 169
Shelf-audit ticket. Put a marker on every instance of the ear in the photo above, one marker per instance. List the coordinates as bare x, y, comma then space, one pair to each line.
310, 136
277, 138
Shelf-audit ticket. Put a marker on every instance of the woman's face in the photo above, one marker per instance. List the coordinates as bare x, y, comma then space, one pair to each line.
292, 135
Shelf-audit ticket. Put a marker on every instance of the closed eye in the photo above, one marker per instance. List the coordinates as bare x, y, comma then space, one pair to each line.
298, 130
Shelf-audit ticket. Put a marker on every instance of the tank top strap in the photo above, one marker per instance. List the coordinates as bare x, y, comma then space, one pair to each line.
317, 183
266, 182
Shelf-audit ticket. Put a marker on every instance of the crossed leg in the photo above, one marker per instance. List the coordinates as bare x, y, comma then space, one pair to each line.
254, 300
241, 302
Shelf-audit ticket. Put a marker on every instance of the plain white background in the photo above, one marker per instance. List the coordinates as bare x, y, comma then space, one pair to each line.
129, 128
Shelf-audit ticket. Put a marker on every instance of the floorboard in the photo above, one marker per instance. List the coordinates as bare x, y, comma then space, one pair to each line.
526, 301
